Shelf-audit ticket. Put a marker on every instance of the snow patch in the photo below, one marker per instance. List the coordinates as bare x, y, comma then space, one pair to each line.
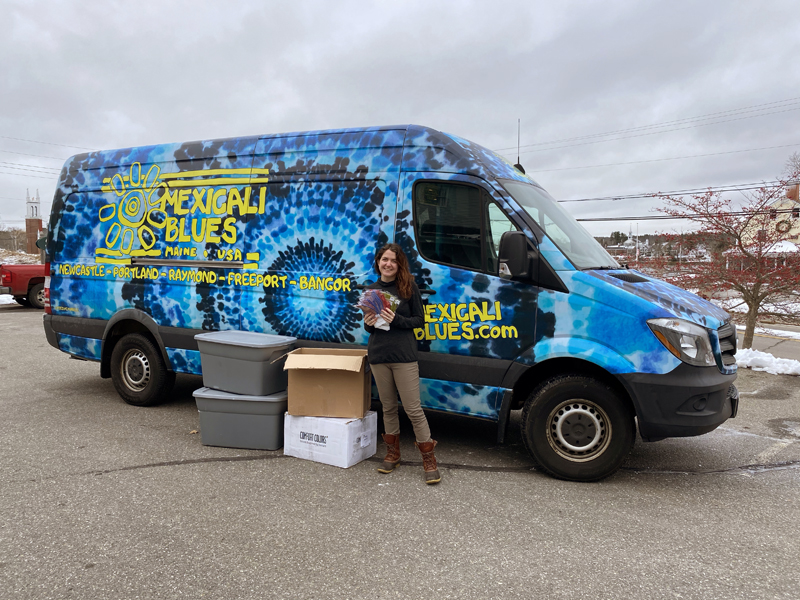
7, 299
763, 361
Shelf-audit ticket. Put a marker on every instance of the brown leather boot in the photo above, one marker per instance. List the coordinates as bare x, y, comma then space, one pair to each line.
392, 453
429, 461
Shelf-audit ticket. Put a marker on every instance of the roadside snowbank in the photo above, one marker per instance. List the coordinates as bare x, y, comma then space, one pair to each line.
6, 299
763, 361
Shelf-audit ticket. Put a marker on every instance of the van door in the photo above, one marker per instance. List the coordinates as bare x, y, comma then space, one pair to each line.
476, 322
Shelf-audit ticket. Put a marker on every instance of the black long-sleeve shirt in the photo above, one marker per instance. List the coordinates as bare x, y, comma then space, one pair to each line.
398, 345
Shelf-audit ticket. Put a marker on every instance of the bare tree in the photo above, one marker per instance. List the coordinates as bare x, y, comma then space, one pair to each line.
755, 259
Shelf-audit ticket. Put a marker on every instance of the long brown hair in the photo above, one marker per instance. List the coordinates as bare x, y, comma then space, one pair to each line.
403, 279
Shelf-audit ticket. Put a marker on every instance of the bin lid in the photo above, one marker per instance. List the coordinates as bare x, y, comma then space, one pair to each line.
247, 339
210, 394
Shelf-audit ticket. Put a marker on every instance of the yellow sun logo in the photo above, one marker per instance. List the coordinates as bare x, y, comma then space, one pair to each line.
135, 215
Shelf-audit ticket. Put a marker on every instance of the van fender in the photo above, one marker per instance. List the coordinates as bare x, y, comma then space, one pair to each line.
591, 351
138, 320
573, 354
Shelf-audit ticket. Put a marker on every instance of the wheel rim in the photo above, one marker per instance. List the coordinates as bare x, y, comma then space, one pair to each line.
578, 430
40, 296
135, 370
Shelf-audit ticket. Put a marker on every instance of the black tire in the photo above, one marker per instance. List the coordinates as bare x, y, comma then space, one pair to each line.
21, 300
596, 428
36, 296
138, 371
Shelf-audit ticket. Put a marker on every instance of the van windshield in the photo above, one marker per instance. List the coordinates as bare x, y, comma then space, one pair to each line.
572, 239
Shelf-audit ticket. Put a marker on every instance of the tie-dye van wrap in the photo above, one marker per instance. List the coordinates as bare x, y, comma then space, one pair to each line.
276, 234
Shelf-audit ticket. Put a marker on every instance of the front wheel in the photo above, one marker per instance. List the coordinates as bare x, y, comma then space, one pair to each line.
139, 373
577, 428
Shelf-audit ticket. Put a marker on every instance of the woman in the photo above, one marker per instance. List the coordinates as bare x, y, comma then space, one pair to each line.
392, 355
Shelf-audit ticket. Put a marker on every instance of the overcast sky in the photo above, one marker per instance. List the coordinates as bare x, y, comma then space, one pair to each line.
100, 75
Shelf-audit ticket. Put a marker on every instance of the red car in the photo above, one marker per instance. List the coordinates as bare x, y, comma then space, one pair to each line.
24, 282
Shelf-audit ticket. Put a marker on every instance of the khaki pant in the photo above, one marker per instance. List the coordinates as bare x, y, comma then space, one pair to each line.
392, 378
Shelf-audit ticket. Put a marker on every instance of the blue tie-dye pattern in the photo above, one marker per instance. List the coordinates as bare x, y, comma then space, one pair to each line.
80, 346
462, 398
185, 361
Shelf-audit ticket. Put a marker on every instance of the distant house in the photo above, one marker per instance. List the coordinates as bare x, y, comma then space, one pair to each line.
784, 217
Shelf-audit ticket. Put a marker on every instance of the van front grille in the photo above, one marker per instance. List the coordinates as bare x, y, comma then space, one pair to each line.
727, 344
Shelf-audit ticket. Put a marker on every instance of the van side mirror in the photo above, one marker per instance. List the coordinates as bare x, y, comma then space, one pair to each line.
513, 255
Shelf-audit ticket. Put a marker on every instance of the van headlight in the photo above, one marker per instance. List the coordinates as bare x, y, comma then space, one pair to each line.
687, 341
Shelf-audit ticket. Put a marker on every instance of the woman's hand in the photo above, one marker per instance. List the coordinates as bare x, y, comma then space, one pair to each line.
370, 318
388, 315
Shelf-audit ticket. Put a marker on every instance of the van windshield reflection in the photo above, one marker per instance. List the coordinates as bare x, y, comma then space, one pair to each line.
567, 234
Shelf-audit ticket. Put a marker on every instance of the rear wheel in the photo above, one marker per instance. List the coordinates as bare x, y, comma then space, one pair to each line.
139, 373
577, 428
36, 296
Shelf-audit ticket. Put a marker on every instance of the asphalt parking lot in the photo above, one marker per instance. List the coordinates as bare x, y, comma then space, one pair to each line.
104, 500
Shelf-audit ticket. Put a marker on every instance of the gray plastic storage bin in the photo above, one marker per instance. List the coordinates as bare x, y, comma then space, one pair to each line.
241, 362
238, 421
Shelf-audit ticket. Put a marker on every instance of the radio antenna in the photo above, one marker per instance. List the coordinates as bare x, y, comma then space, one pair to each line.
518, 166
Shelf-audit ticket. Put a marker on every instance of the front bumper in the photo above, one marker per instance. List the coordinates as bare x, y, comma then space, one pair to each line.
685, 402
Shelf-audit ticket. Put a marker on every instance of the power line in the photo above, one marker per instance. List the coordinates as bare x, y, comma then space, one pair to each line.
636, 162
708, 116
718, 189
51, 178
3, 163
689, 217
5, 137
36, 155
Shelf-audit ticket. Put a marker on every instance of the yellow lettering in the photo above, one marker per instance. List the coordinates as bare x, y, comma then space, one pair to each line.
460, 310
230, 230
509, 331
182, 236
345, 285
237, 254
429, 310
199, 194
442, 335
183, 196
283, 280
250, 210
419, 334
337, 285
495, 332
235, 199
475, 311
198, 237
303, 281
219, 209
172, 229
168, 198
452, 331
497, 314
262, 199
212, 225
466, 331
483, 331
486, 315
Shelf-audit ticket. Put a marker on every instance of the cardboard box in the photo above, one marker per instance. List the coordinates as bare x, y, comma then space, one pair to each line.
338, 442
328, 383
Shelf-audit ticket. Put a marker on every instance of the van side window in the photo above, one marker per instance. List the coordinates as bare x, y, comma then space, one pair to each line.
458, 225
498, 224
